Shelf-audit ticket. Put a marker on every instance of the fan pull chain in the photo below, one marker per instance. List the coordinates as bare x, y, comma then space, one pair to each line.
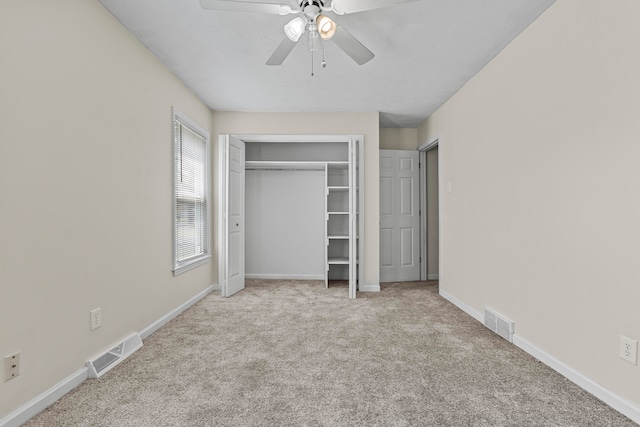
323, 63
311, 56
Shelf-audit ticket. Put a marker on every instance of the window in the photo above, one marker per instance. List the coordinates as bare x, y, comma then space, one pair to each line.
191, 194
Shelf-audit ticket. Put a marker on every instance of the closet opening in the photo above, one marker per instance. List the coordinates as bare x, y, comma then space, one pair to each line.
290, 209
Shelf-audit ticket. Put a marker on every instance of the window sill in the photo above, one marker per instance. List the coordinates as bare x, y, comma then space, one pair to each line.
193, 263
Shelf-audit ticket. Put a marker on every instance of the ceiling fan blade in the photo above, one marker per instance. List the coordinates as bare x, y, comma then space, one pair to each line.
351, 46
342, 7
282, 51
246, 6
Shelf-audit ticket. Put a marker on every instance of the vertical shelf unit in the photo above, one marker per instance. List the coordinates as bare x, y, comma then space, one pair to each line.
340, 215
337, 215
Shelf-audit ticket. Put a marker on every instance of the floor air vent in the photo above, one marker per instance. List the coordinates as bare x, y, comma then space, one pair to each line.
499, 324
102, 364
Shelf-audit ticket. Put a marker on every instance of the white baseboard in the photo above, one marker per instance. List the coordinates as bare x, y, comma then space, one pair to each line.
41, 402
284, 276
144, 333
433, 277
462, 306
369, 287
616, 402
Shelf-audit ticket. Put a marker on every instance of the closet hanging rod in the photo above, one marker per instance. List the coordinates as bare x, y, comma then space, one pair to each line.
289, 165
283, 169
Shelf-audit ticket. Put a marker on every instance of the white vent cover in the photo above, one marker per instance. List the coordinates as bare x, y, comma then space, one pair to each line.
490, 320
499, 324
102, 364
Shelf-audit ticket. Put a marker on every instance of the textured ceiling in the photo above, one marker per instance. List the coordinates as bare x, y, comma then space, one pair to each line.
425, 51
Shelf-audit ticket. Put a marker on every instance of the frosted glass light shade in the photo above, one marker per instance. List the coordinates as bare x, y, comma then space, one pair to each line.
295, 28
326, 27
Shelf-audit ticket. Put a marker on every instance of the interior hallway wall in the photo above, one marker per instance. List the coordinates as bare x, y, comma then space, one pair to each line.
86, 171
398, 138
542, 221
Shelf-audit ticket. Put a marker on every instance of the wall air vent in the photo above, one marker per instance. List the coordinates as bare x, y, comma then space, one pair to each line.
490, 320
499, 324
103, 363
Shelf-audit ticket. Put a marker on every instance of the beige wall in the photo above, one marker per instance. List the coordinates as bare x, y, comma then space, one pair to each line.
541, 149
398, 139
86, 172
321, 123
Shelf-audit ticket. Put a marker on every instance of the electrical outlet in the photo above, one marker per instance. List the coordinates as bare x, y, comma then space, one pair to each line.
96, 318
629, 350
11, 366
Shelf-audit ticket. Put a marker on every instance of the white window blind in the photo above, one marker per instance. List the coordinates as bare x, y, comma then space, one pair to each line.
191, 204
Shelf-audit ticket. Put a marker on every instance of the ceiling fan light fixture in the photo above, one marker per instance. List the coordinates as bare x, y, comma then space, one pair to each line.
326, 27
295, 28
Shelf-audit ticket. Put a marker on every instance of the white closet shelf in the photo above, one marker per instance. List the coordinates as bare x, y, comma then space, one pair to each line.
338, 188
338, 237
283, 165
338, 213
339, 260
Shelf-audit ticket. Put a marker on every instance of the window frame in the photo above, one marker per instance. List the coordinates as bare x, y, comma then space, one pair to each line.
181, 266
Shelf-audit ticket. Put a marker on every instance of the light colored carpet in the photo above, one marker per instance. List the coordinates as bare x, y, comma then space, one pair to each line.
297, 354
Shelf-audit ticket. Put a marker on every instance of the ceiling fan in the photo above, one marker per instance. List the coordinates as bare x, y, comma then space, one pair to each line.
311, 19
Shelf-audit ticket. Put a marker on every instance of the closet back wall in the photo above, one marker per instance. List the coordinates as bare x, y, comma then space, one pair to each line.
284, 220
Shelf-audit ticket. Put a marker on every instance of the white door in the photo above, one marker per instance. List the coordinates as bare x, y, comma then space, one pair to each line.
399, 216
233, 221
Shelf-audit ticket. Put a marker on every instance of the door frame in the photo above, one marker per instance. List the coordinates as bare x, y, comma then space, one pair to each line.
423, 148
222, 196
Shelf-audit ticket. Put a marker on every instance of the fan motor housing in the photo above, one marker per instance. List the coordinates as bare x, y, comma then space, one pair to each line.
311, 8
317, 3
